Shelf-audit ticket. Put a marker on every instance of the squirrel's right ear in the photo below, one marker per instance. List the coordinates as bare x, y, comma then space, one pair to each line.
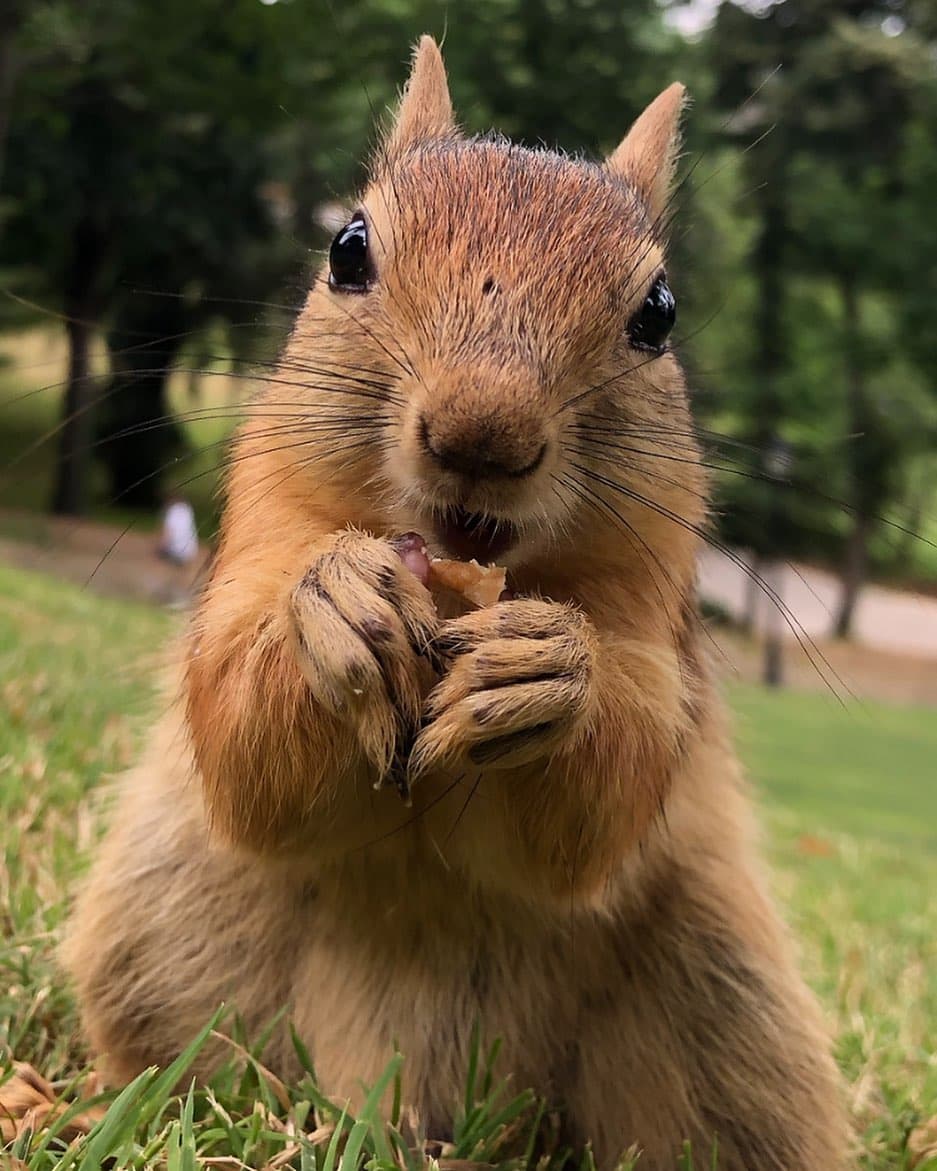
425, 110
647, 156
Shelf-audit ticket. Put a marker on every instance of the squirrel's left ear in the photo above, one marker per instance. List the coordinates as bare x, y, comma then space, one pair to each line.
425, 110
647, 156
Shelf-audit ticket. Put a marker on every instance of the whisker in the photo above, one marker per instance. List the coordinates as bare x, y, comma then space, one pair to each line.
410, 820
598, 503
658, 477
786, 482
590, 496
807, 644
215, 300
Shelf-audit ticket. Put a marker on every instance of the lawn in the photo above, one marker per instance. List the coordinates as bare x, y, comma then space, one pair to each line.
851, 819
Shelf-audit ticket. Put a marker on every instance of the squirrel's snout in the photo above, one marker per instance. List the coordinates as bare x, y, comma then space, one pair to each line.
481, 447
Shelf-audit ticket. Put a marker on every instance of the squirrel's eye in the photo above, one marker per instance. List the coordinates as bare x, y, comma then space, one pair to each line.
651, 325
349, 262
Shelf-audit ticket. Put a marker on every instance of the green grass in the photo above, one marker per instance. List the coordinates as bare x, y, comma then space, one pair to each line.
858, 769
849, 799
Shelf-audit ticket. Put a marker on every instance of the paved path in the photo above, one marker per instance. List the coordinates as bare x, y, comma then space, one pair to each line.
886, 619
102, 558
126, 565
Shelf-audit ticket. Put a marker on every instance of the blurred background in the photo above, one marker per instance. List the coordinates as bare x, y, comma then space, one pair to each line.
168, 172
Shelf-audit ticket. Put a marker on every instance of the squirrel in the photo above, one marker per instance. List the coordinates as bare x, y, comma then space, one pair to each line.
484, 361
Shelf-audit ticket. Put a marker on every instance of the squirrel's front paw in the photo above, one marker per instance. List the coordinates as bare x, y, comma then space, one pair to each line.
364, 628
519, 687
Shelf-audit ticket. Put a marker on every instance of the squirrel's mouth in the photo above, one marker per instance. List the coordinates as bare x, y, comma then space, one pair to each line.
473, 536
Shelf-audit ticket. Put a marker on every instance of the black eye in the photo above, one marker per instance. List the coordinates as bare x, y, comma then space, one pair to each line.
651, 325
350, 268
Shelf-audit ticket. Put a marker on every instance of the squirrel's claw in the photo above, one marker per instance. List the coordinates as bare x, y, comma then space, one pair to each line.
519, 685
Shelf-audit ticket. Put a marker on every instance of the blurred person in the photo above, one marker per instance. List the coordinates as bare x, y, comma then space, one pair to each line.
179, 540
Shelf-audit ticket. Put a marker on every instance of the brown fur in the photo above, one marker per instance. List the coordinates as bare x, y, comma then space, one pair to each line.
578, 868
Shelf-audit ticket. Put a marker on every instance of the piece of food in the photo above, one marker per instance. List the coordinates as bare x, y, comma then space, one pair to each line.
483, 585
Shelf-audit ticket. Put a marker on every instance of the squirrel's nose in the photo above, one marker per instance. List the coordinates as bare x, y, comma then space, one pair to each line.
481, 448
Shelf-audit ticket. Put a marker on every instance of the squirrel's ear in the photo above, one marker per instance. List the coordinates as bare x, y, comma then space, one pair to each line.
425, 109
647, 156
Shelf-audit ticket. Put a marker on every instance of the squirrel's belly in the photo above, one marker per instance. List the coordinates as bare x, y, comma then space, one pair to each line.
403, 974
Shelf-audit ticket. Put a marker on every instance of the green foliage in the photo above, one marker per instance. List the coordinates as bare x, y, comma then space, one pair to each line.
251, 1117
841, 100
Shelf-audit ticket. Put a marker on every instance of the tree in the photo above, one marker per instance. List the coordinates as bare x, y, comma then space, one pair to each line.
858, 83
832, 92
133, 164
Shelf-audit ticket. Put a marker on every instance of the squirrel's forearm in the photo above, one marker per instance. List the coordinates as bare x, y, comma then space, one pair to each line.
564, 829
270, 759
613, 782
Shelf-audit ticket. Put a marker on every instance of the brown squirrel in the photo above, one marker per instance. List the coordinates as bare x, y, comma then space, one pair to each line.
485, 362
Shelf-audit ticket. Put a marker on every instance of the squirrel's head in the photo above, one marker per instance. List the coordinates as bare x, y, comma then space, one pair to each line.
494, 322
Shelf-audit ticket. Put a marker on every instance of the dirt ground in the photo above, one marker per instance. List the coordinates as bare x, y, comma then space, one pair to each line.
111, 561
893, 656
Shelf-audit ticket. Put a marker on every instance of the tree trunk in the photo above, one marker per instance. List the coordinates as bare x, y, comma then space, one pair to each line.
137, 449
861, 425
919, 503
854, 571
70, 493
11, 17
768, 263
137, 435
